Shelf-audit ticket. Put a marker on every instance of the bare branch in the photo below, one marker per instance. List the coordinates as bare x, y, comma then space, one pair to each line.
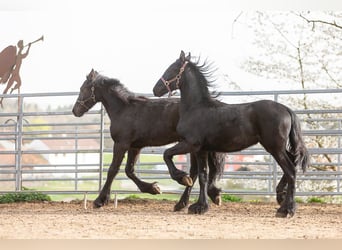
325, 69
281, 33
320, 21
235, 20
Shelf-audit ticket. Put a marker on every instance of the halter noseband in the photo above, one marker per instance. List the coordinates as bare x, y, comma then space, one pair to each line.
92, 98
176, 78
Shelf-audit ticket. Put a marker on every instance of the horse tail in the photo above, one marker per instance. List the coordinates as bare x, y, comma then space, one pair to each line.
297, 148
216, 163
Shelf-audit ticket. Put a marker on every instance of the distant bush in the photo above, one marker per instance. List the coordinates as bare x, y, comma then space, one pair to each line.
315, 200
24, 197
299, 200
230, 198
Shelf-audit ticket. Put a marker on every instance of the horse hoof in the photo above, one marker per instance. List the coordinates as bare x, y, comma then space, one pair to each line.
179, 206
281, 215
97, 204
218, 201
198, 208
155, 189
291, 214
214, 194
187, 181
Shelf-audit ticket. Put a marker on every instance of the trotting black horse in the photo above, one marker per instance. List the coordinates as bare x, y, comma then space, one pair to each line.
210, 125
137, 122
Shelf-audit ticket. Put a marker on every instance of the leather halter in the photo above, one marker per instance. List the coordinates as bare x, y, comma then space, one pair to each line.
92, 98
176, 78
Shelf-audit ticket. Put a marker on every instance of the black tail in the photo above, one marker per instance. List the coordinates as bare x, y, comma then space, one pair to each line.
296, 144
216, 163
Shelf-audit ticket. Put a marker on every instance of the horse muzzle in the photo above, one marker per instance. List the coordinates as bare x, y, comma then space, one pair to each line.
159, 89
77, 110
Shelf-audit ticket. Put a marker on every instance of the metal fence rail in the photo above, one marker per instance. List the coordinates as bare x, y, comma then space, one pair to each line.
52, 151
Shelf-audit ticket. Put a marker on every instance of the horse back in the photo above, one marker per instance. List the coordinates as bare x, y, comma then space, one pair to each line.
151, 122
233, 127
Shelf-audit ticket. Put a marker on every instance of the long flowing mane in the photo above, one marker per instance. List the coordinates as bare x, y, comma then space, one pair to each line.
204, 73
117, 89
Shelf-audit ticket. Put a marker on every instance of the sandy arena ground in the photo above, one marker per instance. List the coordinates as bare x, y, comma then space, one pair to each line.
152, 219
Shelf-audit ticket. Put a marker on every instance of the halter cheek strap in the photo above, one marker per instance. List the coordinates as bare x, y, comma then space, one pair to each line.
92, 97
167, 85
176, 78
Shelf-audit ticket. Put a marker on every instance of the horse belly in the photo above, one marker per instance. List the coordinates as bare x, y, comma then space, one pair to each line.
230, 140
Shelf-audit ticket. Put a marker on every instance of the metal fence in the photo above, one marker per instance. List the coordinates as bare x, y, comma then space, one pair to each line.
45, 148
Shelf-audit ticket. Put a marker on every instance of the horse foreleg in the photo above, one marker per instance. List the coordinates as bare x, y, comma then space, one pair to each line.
184, 200
202, 205
118, 154
180, 176
145, 187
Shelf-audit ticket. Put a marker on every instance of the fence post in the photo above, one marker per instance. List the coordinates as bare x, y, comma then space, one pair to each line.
339, 161
275, 170
18, 146
102, 114
76, 159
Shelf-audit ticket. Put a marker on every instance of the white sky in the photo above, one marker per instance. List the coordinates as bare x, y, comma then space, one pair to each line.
132, 40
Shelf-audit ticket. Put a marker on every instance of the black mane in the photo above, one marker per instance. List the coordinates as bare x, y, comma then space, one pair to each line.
117, 89
205, 74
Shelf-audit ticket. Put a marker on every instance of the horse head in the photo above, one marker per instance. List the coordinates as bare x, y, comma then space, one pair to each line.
87, 97
172, 77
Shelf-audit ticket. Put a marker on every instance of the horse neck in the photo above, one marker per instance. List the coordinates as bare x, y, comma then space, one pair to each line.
112, 104
193, 91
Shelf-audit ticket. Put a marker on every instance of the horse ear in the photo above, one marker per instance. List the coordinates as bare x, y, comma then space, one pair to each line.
182, 56
91, 75
188, 57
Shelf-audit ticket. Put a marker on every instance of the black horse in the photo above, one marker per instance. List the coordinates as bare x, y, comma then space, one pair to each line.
210, 125
137, 122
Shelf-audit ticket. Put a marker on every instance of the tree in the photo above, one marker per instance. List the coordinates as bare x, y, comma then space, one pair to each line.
303, 48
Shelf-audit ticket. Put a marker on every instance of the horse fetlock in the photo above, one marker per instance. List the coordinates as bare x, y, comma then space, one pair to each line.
281, 196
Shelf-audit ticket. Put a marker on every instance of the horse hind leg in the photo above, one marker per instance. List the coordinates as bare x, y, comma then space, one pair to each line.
282, 186
287, 206
281, 190
216, 166
145, 187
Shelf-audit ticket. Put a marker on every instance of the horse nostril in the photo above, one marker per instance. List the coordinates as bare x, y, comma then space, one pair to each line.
156, 91
76, 112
